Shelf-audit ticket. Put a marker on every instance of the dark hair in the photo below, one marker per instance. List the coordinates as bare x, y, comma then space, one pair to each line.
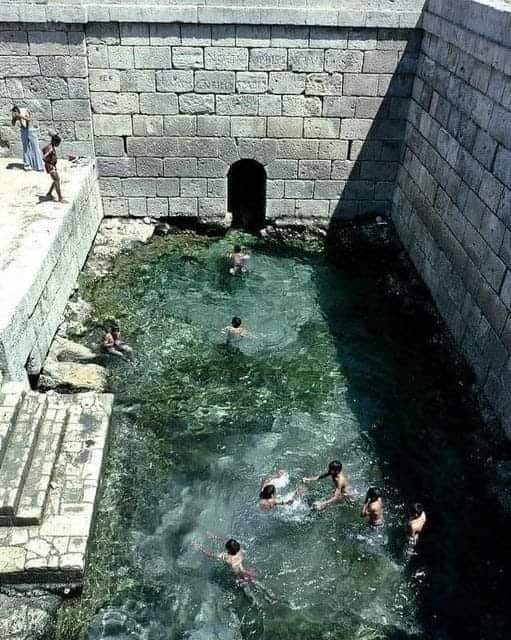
107, 328
232, 546
237, 248
115, 326
334, 468
416, 509
16, 109
56, 140
267, 492
236, 322
373, 494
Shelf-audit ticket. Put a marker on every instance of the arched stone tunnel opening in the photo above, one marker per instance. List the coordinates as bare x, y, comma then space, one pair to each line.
246, 195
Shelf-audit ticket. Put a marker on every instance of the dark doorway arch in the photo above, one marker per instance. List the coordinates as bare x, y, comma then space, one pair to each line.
246, 195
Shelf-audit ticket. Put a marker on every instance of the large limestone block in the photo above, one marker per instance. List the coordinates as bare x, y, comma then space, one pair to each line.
73, 376
214, 81
179, 81
226, 58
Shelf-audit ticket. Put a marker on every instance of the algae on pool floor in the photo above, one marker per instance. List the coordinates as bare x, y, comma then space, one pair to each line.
197, 425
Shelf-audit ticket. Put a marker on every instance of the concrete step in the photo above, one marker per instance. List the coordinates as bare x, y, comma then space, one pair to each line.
36, 487
18, 453
11, 397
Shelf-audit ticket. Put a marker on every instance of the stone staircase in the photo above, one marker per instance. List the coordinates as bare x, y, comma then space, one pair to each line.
52, 449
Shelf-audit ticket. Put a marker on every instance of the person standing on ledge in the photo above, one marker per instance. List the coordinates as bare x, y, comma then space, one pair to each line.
50, 164
32, 157
341, 485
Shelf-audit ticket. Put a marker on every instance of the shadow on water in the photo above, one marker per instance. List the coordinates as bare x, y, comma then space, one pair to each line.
432, 445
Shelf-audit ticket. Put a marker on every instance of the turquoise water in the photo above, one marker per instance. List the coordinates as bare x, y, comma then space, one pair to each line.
329, 373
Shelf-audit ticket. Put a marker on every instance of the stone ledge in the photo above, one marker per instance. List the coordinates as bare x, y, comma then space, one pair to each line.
347, 15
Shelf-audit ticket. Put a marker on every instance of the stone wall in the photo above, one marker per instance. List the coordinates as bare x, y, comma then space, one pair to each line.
452, 204
44, 67
175, 105
47, 250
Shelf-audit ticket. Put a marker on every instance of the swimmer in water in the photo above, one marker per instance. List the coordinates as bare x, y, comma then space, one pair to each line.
373, 508
416, 522
233, 556
341, 485
118, 341
109, 345
235, 332
268, 498
239, 261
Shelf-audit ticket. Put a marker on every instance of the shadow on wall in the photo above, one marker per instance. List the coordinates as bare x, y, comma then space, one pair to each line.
432, 445
374, 123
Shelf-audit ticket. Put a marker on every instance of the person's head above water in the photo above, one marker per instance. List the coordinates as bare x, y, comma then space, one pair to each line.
56, 140
416, 509
232, 546
237, 248
267, 492
373, 494
15, 110
115, 326
334, 468
236, 322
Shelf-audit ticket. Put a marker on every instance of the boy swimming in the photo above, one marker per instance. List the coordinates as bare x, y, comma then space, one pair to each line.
234, 332
239, 261
233, 556
416, 522
373, 508
340, 482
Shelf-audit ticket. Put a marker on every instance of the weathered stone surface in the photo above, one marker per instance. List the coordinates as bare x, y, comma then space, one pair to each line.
187, 58
178, 81
73, 377
251, 82
158, 103
214, 82
191, 103
226, 58
286, 82
324, 84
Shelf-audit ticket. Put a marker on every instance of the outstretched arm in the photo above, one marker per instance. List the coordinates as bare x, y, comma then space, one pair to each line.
207, 552
314, 478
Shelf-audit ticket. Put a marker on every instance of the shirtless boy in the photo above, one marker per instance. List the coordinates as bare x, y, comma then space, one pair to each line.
50, 164
340, 482
233, 556
416, 522
235, 332
109, 345
373, 508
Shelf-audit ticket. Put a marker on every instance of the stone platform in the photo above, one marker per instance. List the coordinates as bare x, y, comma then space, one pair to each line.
52, 449
43, 246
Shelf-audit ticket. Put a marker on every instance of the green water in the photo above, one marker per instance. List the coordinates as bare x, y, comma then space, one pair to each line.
330, 373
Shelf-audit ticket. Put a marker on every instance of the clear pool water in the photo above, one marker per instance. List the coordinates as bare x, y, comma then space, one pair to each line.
331, 372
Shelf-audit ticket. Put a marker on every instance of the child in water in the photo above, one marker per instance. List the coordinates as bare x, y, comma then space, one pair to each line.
239, 261
416, 522
234, 557
234, 332
373, 508
118, 341
268, 498
341, 485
